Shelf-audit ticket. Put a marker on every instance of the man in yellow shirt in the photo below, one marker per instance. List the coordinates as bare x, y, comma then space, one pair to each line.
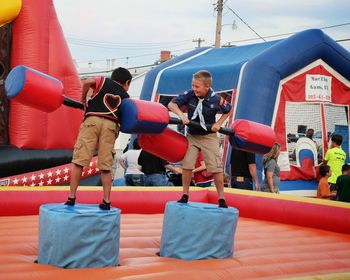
335, 158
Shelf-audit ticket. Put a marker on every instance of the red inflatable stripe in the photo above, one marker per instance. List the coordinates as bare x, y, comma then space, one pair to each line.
253, 132
151, 111
41, 92
169, 145
38, 42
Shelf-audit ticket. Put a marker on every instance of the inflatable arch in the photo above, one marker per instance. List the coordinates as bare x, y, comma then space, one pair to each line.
314, 84
36, 140
38, 42
292, 85
32, 140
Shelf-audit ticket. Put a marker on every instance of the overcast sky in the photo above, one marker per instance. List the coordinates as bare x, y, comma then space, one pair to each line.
97, 30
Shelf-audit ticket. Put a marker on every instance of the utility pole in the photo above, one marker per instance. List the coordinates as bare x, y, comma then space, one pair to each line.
199, 41
219, 7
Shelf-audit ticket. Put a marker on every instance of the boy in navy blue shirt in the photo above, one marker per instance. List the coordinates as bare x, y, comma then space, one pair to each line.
202, 106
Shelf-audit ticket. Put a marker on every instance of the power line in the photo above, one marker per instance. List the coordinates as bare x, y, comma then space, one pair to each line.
343, 40
244, 22
111, 70
287, 34
198, 41
133, 56
230, 42
336, 25
113, 45
129, 43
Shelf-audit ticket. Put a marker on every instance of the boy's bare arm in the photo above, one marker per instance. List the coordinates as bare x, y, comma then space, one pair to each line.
216, 126
86, 85
175, 108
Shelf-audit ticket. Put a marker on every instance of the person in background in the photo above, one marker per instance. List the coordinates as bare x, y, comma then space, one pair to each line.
335, 158
343, 184
227, 180
271, 170
243, 170
310, 133
175, 179
202, 104
127, 146
129, 161
99, 128
323, 190
201, 177
154, 169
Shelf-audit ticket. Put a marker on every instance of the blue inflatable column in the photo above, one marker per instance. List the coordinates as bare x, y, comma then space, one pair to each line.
79, 236
194, 231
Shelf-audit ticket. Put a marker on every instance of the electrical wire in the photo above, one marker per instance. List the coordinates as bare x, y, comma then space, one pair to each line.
228, 7
135, 56
287, 34
127, 45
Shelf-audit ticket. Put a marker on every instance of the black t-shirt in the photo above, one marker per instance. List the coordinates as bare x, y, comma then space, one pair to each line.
106, 100
151, 164
240, 161
343, 183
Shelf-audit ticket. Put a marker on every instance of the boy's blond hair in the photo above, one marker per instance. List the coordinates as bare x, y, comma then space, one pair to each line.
204, 76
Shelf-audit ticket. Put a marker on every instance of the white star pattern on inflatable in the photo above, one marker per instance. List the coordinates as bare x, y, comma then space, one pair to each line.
54, 176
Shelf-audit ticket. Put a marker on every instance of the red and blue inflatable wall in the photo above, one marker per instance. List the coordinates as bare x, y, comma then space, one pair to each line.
38, 42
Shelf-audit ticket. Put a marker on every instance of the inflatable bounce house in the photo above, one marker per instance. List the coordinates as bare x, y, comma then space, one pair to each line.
277, 236
294, 85
35, 146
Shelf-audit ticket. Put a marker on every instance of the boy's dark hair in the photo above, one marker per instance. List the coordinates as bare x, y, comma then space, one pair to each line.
136, 144
345, 167
324, 169
310, 133
337, 139
121, 75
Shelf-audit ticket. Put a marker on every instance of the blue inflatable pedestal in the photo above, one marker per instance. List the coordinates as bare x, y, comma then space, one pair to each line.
194, 231
79, 236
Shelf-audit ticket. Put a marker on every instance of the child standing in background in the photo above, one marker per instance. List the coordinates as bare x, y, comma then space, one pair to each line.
323, 190
335, 158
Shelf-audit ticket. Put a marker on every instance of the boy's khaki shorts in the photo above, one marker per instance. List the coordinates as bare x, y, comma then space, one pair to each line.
96, 133
209, 145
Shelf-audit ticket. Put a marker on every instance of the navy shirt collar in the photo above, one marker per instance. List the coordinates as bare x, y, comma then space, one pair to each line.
209, 94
